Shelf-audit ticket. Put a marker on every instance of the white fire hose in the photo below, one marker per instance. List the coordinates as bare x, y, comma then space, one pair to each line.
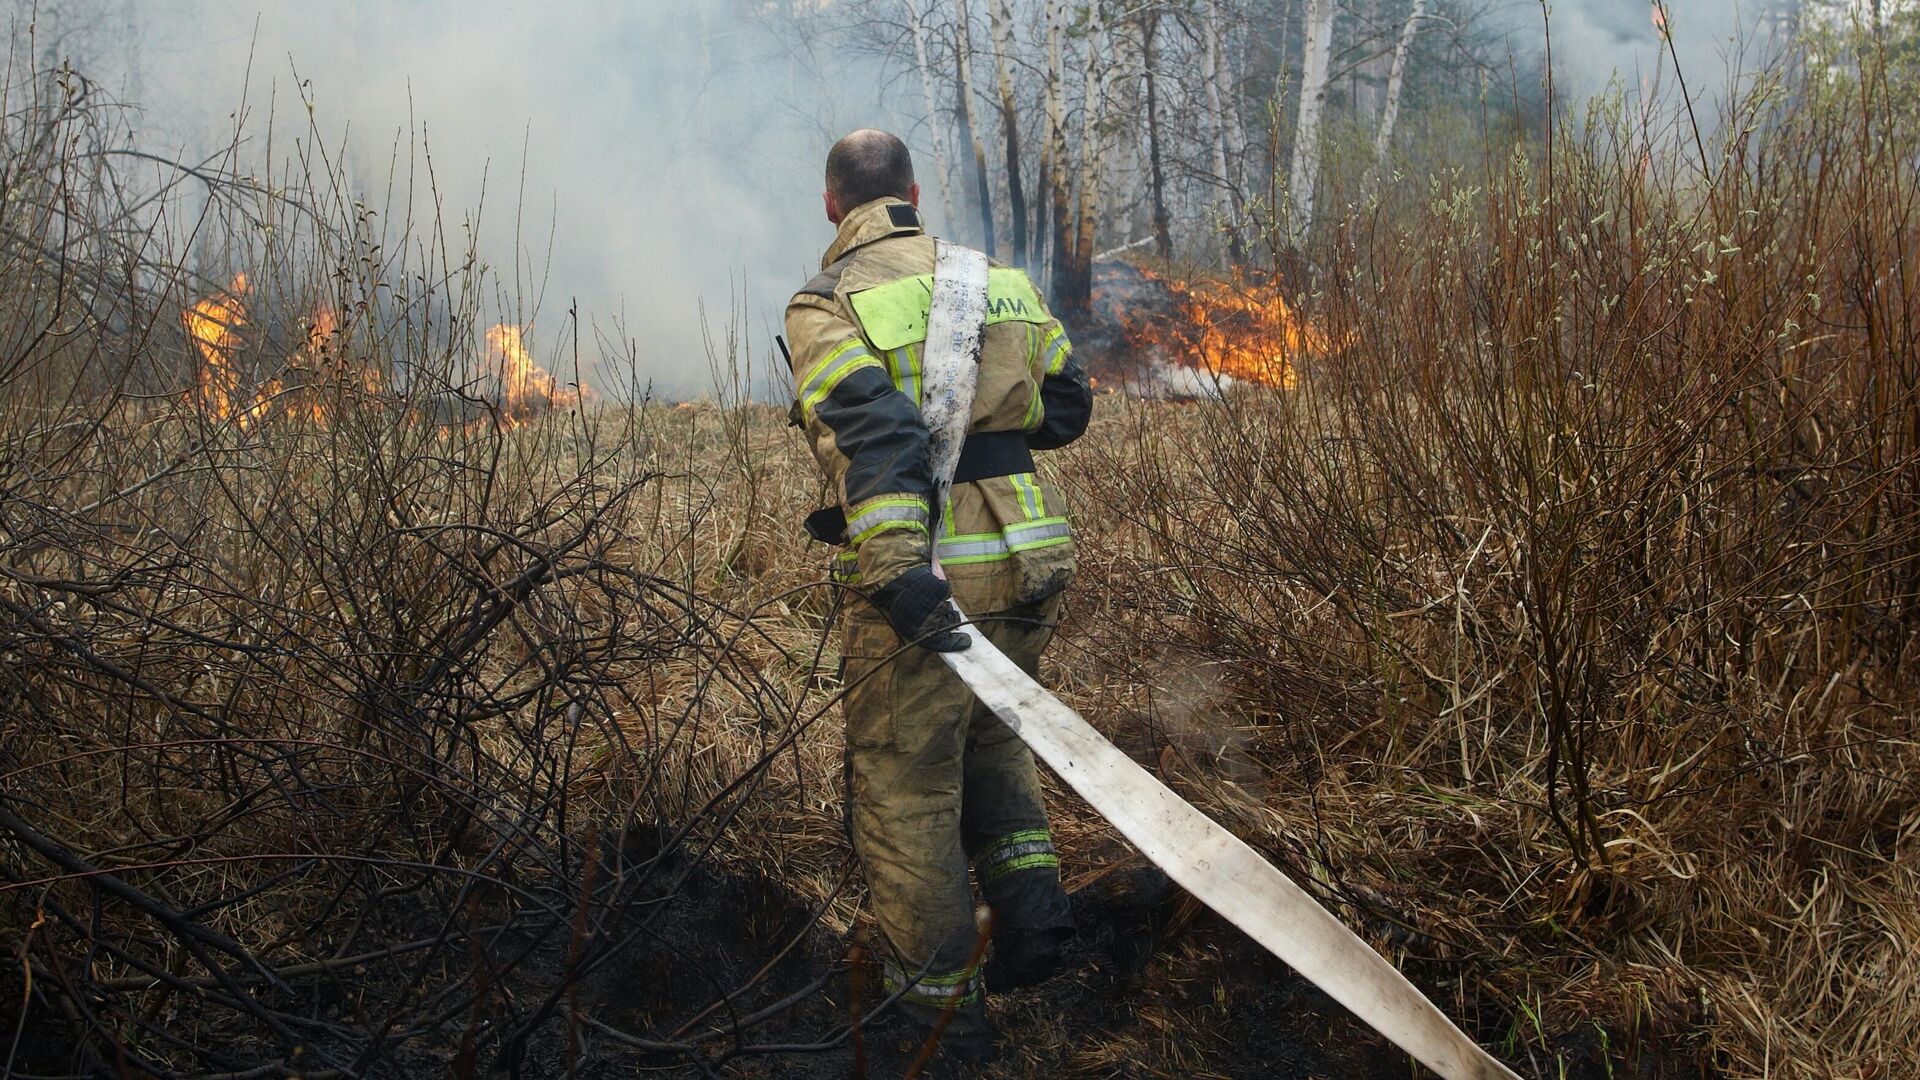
1201, 856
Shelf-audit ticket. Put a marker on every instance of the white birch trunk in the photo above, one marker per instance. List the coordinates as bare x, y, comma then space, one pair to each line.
1000, 23
1219, 99
1092, 148
1057, 132
970, 121
1305, 174
1390, 109
1232, 54
935, 132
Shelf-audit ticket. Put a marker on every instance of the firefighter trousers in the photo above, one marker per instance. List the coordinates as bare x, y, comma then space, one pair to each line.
938, 784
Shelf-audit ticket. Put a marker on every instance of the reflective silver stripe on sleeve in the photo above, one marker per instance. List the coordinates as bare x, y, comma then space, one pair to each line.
909, 510
1057, 353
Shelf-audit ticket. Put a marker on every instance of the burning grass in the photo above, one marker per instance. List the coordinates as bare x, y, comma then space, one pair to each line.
1223, 331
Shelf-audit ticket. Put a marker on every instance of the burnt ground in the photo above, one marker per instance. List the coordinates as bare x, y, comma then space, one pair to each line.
1158, 987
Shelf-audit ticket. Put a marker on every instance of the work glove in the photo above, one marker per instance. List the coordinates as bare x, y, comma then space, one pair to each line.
918, 605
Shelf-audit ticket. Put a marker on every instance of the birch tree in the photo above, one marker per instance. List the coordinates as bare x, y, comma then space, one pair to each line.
1219, 106
1077, 297
963, 44
1057, 144
1390, 109
936, 133
1000, 20
1162, 219
1305, 173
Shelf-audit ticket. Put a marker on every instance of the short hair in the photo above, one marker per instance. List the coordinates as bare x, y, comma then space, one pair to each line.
869, 165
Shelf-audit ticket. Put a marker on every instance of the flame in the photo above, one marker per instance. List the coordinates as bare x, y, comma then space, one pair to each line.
312, 377
213, 325
324, 364
526, 389
1238, 329
318, 373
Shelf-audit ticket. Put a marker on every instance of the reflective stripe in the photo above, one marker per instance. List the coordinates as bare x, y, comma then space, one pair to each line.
844, 360
1056, 349
992, 547
1034, 408
972, 547
1047, 860
1018, 851
845, 568
909, 381
887, 512
1032, 500
937, 990
903, 367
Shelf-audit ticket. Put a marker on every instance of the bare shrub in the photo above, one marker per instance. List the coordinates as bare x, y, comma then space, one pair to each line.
1579, 587
360, 686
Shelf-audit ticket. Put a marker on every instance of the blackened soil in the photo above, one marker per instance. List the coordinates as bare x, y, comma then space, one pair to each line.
738, 980
1157, 987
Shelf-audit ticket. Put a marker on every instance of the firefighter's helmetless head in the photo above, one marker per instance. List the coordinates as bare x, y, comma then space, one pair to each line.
865, 166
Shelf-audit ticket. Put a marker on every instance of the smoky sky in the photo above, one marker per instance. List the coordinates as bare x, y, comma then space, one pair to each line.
672, 148
1597, 43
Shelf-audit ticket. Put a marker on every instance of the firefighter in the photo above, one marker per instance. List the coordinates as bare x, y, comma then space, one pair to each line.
937, 784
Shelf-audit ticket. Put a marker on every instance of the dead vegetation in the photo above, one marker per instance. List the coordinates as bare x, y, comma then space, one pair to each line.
1558, 630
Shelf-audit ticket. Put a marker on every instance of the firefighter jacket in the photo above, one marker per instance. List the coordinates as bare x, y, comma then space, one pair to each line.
857, 332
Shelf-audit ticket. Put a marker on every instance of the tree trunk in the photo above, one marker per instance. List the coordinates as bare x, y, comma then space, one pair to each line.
1219, 104
1057, 153
1276, 109
1162, 220
1306, 135
963, 45
936, 133
1000, 18
1043, 184
1390, 109
1079, 298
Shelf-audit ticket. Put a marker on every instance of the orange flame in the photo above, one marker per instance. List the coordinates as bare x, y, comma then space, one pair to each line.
1233, 328
526, 389
319, 373
213, 325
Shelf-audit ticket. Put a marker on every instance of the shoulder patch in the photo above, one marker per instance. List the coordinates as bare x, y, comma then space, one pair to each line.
904, 216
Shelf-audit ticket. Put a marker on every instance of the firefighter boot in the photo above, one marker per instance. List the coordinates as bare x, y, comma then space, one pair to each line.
1023, 958
968, 1036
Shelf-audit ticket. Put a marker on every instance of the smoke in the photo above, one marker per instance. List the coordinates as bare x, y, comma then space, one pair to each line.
672, 148
1597, 43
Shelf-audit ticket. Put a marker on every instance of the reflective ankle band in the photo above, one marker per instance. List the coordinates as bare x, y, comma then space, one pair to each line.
938, 991
1020, 851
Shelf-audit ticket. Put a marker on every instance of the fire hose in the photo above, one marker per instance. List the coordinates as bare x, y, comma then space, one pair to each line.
1198, 854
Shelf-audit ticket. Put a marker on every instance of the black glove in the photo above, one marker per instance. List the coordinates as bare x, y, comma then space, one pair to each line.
917, 604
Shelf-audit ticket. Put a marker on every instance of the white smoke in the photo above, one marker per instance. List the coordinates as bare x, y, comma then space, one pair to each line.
1598, 43
1181, 383
672, 148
